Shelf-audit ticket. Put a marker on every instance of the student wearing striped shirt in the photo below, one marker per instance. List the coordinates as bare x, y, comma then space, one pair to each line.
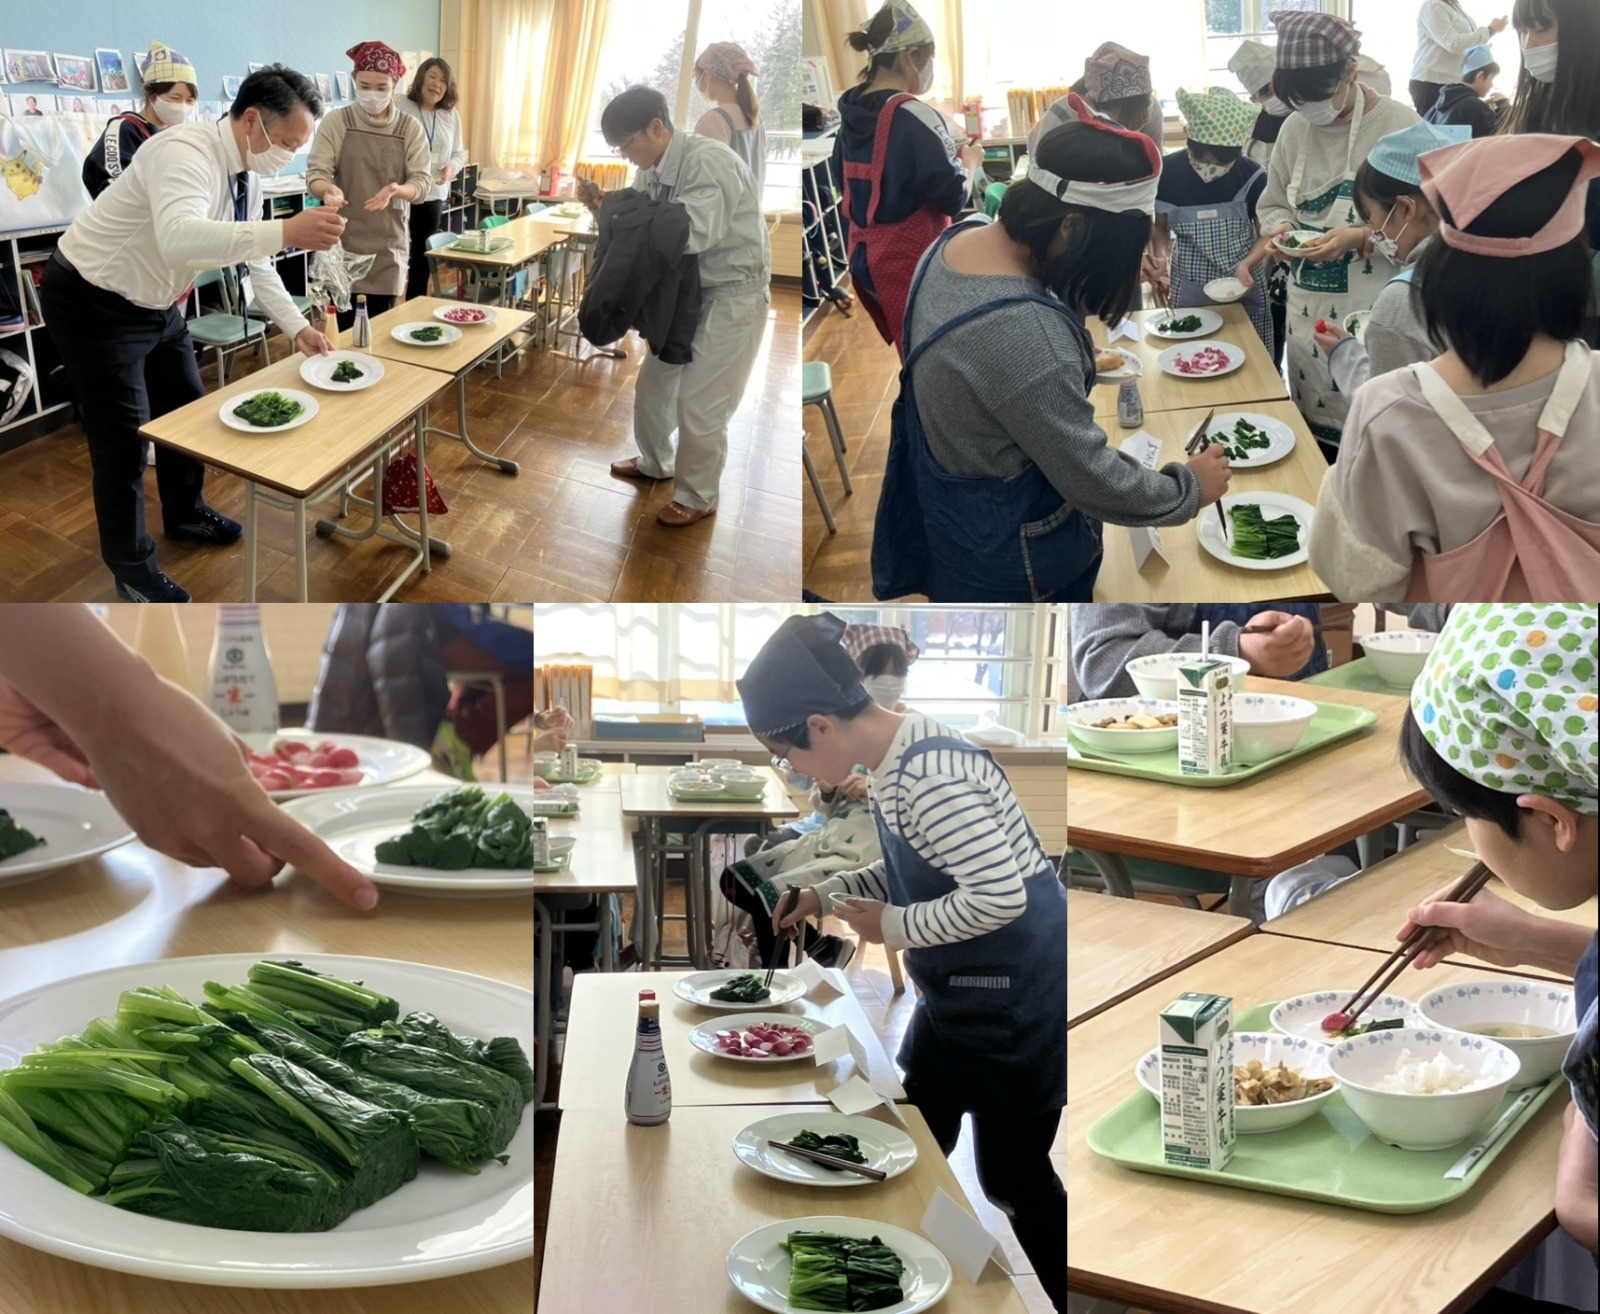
965, 888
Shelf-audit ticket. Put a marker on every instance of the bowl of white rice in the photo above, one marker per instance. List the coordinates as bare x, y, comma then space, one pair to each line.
1421, 1088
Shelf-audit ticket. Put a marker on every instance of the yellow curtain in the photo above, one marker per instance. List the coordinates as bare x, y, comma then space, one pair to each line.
571, 64
496, 48
836, 19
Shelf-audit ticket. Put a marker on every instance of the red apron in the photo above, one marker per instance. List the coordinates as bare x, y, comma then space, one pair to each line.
892, 249
1531, 551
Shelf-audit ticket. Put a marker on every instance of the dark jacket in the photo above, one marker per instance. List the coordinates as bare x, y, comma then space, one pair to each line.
382, 674
641, 278
1461, 106
111, 155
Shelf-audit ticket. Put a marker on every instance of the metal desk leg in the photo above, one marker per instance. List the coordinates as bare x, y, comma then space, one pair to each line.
1239, 896
250, 520
542, 1028
1112, 871
608, 952
301, 552
421, 427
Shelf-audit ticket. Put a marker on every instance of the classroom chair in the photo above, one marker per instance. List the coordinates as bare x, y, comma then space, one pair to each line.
435, 288
816, 389
226, 331
816, 485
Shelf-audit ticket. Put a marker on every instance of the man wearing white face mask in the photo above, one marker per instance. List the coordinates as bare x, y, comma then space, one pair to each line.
192, 203
378, 157
170, 91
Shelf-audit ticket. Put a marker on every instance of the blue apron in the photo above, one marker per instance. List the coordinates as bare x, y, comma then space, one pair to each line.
991, 1028
974, 538
1240, 614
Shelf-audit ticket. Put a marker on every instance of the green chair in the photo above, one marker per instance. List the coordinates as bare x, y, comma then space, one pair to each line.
434, 243
816, 389
1147, 874
226, 331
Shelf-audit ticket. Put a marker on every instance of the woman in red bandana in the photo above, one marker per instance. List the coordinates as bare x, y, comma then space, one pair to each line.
372, 162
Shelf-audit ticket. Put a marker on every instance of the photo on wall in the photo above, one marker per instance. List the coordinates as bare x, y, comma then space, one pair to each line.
30, 106
75, 104
344, 85
231, 85
140, 59
29, 66
75, 72
324, 86
255, 68
113, 76
110, 106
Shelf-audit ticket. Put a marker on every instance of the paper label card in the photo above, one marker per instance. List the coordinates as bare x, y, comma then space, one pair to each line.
820, 982
855, 1096
1145, 542
962, 1238
837, 1042
1125, 328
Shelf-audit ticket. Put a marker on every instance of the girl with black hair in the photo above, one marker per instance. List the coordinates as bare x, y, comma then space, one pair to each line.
998, 476
1477, 476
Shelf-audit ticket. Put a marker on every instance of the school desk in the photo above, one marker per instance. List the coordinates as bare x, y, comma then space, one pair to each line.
1182, 1247
1190, 573
1367, 911
664, 1205
1261, 826
1118, 947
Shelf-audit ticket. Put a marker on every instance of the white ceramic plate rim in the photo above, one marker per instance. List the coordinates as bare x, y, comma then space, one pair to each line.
226, 415
1360, 331
696, 989
704, 1036
1131, 368
1209, 532
1226, 300
894, 1155
490, 1223
439, 313
1327, 1001
1303, 235
17, 798
753, 1246
314, 366
1166, 361
1281, 434
1210, 322
402, 333
376, 756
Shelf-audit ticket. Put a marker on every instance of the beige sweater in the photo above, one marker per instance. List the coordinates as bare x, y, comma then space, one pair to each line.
323, 160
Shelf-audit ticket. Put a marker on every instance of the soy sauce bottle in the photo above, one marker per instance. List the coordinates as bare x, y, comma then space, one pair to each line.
361, 333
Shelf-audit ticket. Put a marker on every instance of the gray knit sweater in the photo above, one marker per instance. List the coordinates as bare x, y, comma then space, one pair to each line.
1396, 335
1010, 390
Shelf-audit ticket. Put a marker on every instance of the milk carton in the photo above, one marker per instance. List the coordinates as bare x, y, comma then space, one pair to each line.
1205, 716
1197, 1081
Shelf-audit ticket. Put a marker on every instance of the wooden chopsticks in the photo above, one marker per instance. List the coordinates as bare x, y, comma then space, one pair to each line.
816, 1156
786, 904
1198, 443
1463, 892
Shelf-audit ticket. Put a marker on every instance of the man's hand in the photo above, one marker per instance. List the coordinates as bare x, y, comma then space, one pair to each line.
383, 196
316, 228
1332, 246
28, 732
590, 194
312, 343
334, 199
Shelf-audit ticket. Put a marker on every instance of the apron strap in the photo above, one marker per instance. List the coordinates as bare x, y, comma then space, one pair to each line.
1478, 442
1293, 191
967, 315
873, 172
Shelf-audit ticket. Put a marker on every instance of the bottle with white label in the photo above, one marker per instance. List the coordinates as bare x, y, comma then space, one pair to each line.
158, 638
243, 691
648, 1100
361, 329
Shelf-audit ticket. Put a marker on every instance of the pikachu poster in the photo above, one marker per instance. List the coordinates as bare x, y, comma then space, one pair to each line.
41, 160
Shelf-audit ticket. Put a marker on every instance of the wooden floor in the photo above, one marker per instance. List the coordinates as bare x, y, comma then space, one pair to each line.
866, 380
562, 530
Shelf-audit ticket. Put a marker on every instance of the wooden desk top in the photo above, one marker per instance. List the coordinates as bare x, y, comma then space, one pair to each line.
673, 1201
602, 859
347, 428
645, 795
1190, 573
1132, 1236
1366, 911
1118, 947
1261, 826
1255, 381
476, 339
528, 241
605, 1009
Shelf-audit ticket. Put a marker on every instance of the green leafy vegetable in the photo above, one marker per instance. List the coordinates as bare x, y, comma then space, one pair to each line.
841, 1145
1361, 1028
346, 372
829, 1272
430, 334
1186, 324
268, 410
13, 839
1260, 539
464, 828
1289, 242
746, 988
1242, 439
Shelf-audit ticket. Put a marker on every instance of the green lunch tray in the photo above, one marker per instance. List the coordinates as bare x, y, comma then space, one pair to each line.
1360, 675
1331, 1156
558, 862
1333, 722
495, 244
721, 796
559, 777
554, 807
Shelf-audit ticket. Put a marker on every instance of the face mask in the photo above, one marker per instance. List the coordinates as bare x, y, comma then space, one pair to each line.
267, 162
925, 79
374, 102
1388, 247
1275, 107
1208, 172
1540, 61
885, 689
1319, 112
172, 114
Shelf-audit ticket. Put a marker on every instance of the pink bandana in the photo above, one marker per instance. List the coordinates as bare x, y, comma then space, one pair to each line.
1471, 176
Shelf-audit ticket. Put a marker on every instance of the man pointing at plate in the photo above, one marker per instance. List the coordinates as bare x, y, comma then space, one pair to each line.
191, 201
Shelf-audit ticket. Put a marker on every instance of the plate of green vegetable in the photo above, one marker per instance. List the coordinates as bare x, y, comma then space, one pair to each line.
834, 1262
1188, 322
1266, 531
357, 1141
859, 1139
44, 827
268, 410
1250, 438
342, 371
422, 334
465, 842
735, 990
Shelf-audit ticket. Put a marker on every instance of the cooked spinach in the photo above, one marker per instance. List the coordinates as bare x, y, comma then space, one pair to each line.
1187, 324
13, 839
430, 334
841, 1145
464, 828
268, 410
830, 1272
346, 372
1260, 539
1242, 439
746, 988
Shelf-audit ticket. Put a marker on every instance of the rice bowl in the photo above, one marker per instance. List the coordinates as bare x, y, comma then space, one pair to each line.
1436, 1109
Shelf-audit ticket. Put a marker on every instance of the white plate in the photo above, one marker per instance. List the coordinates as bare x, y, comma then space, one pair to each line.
1308, 1057
704, 1036
382, 761
354, 822
1302, 1015
318, 370
1301, 235
1167, 360
440, 312
1132, 367
293, 394
888, 1149
402, 333
1225, 289
1210, 322
1080, 719
74, 824
1355, 324
696, 988
1209, 531
758, 1266
1281, 434
441, 1223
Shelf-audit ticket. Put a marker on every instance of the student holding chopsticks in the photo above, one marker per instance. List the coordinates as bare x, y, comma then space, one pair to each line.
1502, 732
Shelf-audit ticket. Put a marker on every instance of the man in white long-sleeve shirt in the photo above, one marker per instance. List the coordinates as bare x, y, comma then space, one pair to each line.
189, 201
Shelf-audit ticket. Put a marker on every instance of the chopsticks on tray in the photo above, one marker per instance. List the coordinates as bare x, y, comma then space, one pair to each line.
786, 904
1199, 440
1463, 892
830, 1161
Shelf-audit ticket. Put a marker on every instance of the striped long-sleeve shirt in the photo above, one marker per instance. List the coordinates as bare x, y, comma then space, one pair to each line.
958, 812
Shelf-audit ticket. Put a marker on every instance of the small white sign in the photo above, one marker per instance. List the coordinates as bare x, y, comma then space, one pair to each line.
835, 1043
856, 1096
820, 982
1146, 450
1125, 328
962, 1238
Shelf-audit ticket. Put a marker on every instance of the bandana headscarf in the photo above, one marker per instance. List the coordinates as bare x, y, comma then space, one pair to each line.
1216, 117
167, 65
725, 61
1114, 72
1252, 63
1115, 198
1508, 699
1472, 175
375, 57
801, 671
858, 638
1396, 154
910, 30
1307, 40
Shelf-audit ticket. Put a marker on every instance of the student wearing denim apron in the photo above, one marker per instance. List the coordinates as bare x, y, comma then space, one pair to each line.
966, 889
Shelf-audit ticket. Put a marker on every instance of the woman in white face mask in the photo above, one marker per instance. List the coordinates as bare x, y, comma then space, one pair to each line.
372, 163
170, 91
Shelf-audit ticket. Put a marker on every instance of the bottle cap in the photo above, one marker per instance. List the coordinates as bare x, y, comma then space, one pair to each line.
647, 994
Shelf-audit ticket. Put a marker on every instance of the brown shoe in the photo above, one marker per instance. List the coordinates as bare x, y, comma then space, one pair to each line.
675, 515
629, 469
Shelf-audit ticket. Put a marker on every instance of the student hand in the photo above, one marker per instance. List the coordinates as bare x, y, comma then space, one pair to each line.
313, 343
382, 196
1488, 928
1575, 1179
853, 787
1153, 269
334, 199
28, 732
557, 718
863, 916
1329, 338
971, 157
1284, 650
539, 782
1497, 25
544, 741
810, 905
590, 194
315, 229
1333, 245
1210, 467
1243, 271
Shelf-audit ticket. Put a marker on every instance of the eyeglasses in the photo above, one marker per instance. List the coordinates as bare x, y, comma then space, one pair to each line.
619, 147
782, 763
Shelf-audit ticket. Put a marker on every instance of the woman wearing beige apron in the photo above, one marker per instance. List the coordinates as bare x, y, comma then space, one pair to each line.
372, 161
